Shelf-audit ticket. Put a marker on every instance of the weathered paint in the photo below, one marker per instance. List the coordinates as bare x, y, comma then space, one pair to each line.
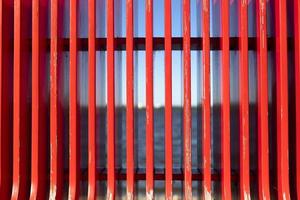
262, 101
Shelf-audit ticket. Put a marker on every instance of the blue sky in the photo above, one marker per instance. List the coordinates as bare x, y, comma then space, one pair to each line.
158, 57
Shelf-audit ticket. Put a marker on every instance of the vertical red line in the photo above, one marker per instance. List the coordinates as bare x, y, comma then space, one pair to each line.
244, 101
168, 100
110, 101
262, 101
56, 151
6, 16
187, 123
149, 100
282, 100
297, 90
74, 165
225, 101
130, 100
38, 144
206, 101
92, 102
21, 117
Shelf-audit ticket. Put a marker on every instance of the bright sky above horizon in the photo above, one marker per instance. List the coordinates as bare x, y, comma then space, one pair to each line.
158, 56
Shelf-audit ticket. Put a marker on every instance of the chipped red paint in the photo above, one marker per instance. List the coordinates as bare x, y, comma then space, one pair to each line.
244, 102
282, 100
206, 128
24, 100
130, 101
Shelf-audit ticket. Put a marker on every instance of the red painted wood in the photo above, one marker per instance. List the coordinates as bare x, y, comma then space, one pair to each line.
6, 109
187, 121
92, 191
262, 101
206, 128
244, 101
56, 134
225, 101
168, 101
21, 108
39, 107
74, 143
110, 101
130, 100
282, 100
149, 101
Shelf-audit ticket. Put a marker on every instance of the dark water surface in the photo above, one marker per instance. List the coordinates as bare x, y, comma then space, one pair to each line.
159, 148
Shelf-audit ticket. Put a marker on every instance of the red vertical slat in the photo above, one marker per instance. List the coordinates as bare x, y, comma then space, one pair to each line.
129, 100
225, 101
92, 102
244, 101
149, 100
38, 140
110, 101
6, 42
187, 123
56, 137
262, 101
206, 135
297, 90
282, 100
74, 145
168, 100
21, 109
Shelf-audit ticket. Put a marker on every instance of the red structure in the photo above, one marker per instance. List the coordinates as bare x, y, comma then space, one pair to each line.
32, 114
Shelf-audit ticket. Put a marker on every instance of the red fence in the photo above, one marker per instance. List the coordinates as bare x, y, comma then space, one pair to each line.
31, 122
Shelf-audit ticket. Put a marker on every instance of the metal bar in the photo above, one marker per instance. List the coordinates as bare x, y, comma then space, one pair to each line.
110, 101
282, 100
244, 101
168, 101
262, 101
74, 144
56, 137
225, 101
130, 101
206, 128
149, 101
158, 43
159, 175
297, 90
92, 100
21, 114
38, 140
6, 51
187, 121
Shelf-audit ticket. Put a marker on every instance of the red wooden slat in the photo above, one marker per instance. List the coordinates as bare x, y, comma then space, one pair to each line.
129, 100
206, 132
244, 101
168, 100
74, 144
149, 100
21, 114
38, 140
262, 101
6, 44
297, 90
282, 100
225, 101
92, 101
56, 137
187, 121
110, 101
